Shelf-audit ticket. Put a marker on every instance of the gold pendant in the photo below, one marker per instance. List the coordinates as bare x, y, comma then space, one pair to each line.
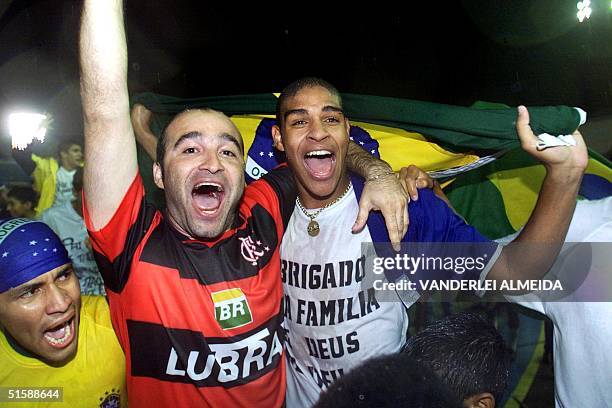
313, 228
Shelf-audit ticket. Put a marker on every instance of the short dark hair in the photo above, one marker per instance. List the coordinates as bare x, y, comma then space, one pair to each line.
389, 381
65, 145
467, 352
293, 88
160, 151
24, 194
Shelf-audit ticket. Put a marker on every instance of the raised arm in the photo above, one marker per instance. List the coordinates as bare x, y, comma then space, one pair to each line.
532, 253
110, 149
24, 159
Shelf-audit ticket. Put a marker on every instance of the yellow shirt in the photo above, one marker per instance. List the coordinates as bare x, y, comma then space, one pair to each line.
44, 178
94, 378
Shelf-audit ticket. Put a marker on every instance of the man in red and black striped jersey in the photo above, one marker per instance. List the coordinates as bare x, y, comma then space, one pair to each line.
194, 291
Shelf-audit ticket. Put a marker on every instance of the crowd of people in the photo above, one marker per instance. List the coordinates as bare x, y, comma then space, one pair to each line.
251, 295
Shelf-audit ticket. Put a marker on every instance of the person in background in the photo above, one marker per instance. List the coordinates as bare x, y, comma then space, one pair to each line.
582, 352
66, 219
51, 177
21, 201
391, 381
50, 335
468, 354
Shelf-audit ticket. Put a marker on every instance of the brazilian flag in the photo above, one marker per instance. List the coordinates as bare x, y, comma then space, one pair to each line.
474, 151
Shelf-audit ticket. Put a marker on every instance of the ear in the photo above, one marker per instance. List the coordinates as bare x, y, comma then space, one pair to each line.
347, 123
276, 137
482, 400
158, 176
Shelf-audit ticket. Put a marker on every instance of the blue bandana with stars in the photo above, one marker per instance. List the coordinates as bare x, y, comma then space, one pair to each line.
28, 249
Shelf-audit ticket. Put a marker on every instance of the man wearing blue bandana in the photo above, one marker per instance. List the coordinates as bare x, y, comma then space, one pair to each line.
49, 336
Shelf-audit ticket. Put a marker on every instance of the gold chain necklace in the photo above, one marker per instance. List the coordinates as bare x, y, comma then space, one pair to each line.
313, 226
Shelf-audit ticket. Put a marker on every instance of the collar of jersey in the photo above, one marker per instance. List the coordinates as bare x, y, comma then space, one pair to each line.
239, 222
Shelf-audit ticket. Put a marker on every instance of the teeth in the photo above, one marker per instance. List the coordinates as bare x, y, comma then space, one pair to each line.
215, 185
67, 332
318, 153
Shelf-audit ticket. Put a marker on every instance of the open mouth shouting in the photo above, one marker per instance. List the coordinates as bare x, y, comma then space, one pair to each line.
320, 163
208, 197
60, 335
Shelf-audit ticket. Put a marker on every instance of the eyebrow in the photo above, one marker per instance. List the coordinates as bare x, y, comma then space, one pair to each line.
16, 291
231, 138
185, 137
194, 135
327, 108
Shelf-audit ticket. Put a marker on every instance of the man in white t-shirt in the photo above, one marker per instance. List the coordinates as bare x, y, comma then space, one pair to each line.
332, 320
66, 220
582, 320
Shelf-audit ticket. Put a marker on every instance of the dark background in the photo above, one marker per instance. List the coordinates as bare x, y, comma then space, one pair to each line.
510, 51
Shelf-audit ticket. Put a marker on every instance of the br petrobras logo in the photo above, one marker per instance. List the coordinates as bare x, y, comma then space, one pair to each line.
231, 308
111, 399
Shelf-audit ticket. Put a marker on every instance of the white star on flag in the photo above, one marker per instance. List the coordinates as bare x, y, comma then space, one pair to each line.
22, 230
5, 254
54, 249
271, 154
372, 151
33, 242
35, 254
267, 248
47, 239
361, 143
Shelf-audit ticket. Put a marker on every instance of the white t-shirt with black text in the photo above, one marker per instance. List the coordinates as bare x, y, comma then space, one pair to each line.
63, 186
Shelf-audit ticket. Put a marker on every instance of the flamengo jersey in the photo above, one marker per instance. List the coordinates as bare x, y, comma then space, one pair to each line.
200, 322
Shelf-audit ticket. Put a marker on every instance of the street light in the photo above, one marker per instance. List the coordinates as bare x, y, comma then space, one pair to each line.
25, 127
584, 10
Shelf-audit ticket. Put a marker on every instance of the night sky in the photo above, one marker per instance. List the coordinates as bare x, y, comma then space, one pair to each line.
510, 51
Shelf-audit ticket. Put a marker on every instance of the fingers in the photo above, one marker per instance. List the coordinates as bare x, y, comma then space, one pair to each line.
393, 227
362, 216
409, 179
528, 139
412, 190
406, 222
402, 176
396, 220
412, 178
413, 175
578, 138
